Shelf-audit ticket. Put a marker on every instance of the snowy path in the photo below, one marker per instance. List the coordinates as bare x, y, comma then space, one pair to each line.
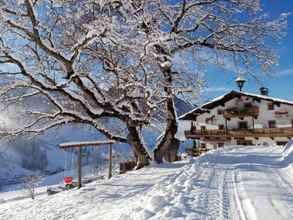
238, 183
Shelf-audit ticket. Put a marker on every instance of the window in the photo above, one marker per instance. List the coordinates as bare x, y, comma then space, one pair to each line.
248, 105
243, 125
281, 143
193, 127
220, 111
244, 142
272, 124
221, 127
203, 128
270, 106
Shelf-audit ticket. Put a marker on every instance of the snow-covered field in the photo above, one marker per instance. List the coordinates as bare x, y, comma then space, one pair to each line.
234, 183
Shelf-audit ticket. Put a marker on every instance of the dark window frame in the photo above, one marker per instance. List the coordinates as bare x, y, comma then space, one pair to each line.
271, 106
248, 105
221, 127
281, 143
241, 123
272, 124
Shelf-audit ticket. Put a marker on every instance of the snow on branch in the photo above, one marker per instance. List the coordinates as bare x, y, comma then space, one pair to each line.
125, 59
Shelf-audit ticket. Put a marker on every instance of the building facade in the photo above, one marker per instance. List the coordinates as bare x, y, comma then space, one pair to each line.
240, 118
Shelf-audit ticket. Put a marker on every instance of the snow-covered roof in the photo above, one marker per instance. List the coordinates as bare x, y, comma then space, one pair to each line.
227, 97
195, 111
85, 143
282, 101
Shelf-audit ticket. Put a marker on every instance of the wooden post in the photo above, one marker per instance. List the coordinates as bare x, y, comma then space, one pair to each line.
79, 172
253, 124
226, 126
79, 145
110, 161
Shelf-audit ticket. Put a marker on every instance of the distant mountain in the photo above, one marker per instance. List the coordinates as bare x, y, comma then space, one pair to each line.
23, 156
182, 106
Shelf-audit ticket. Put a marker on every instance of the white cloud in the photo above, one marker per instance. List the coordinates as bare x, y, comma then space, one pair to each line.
285, 72
217, 89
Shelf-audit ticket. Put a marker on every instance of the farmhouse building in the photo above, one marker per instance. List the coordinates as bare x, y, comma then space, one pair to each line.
240, 118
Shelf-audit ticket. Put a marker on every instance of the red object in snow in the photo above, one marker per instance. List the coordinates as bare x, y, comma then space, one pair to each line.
281, 112
68, 180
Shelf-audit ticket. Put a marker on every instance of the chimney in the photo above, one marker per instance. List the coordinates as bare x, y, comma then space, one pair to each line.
264, 91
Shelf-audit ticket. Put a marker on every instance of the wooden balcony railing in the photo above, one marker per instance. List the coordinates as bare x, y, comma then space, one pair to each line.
252, 111
258, 132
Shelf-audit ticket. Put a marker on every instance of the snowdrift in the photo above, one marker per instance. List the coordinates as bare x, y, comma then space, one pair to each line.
287, 158
233, 183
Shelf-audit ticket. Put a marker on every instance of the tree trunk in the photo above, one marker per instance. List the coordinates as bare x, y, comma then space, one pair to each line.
142, 156
171, 154
168, 146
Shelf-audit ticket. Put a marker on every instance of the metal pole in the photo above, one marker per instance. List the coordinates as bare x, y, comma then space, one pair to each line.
110, 161
79, 172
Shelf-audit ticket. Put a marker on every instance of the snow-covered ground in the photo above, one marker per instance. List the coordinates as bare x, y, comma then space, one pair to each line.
234, 183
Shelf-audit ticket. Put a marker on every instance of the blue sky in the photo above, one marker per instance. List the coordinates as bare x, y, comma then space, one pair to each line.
281, 85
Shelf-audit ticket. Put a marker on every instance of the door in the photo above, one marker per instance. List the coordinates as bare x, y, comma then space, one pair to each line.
272, 124
243, 125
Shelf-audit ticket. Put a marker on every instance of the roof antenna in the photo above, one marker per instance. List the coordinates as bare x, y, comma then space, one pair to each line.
240, 81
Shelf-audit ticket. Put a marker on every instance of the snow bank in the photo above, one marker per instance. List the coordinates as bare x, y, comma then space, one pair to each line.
288, 148
287, 159
288, 153
167, 199
233, 183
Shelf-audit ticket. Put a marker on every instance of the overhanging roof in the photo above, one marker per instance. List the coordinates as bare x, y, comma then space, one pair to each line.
85, 143
193, 113
221, 100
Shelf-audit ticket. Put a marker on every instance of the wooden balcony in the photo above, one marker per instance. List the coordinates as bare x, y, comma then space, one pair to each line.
252, 111
217, 135
227, 135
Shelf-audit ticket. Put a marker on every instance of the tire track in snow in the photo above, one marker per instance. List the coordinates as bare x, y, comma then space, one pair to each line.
204, 196
226, 197
285, 183
197, 189
213, 197
239, 205
209, 198
236, 209
216, 195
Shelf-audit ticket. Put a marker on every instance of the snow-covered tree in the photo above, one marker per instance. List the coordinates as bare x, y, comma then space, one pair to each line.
31, 183
122, 59
206, 32
65, 53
